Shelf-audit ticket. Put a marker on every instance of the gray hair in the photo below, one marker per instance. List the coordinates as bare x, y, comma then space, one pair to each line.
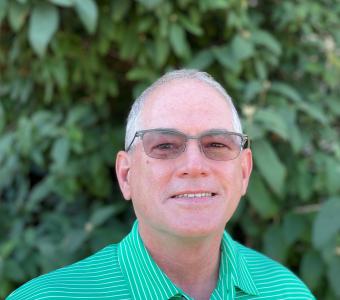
133, 120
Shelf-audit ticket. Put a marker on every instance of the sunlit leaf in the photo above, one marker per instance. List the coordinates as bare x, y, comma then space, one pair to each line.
178, 40
286, 90
190, 26
260, 199
272, 121
64, 3
264, 38
60, 152
252, 89
88, 13
224, 55
201, 60
269, 165
44, 22
242, 48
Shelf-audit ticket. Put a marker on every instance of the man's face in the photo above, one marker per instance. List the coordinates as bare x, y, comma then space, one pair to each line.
192, 107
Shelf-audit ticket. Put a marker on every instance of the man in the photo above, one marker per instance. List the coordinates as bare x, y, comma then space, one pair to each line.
185, 168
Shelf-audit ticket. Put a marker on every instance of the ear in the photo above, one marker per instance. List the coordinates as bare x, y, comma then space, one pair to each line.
123, 163
246, 166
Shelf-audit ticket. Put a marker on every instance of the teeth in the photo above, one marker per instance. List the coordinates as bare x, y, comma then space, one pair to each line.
196, 195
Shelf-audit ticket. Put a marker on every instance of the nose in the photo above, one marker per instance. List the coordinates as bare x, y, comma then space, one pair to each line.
192, 163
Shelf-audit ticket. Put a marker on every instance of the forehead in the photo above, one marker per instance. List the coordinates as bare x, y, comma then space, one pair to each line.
188, 105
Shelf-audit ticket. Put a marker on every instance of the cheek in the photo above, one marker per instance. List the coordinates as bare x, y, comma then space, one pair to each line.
148, 178
232, 180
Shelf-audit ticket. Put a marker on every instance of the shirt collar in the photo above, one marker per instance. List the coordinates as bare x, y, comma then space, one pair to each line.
147, 281
234, 263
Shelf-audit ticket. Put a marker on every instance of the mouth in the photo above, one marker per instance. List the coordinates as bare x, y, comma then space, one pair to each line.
194, 195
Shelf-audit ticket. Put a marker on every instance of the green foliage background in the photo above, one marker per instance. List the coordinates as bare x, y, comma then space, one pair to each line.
69, 70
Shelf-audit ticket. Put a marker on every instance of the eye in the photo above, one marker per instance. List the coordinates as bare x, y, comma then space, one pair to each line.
164, 146
215, 145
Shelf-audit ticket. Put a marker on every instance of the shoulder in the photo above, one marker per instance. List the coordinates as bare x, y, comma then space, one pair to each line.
271, 278
97, 276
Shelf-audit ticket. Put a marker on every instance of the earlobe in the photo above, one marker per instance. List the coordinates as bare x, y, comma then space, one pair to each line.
247, 166
122, 172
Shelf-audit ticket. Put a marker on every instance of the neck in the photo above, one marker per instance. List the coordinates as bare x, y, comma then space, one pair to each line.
192, 265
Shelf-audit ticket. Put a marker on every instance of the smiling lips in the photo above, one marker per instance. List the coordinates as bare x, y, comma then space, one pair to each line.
194, 195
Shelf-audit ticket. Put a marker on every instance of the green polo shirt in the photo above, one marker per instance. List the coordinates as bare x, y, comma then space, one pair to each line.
127, 271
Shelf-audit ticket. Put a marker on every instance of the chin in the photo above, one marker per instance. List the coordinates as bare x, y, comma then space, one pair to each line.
199, 229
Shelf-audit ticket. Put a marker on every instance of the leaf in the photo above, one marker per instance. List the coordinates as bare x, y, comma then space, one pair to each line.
120, 9
3, 9
261, 69
327, 223
161, 53
14, 270
314, 111
264, 38
269, 165
88, 13
252, 89
25, 136
102, 214
130, 44
272, 121
260, 199
274, 243
190, 26
140, 73
201, 61
255, 131
292, 94
74, 240
226, 58
332, 175
150, 3
334, 275
178, 41
312, 269
286, 90
44, 22
294, 226
63, 3
242, 48
60, 152
39, 192
2, 119
17, 14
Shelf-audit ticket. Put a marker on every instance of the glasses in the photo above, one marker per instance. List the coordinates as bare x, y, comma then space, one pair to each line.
169, 144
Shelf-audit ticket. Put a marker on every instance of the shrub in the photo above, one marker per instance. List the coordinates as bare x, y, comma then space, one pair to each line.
69, 72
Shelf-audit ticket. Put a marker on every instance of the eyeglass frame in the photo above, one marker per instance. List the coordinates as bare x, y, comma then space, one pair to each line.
245, 141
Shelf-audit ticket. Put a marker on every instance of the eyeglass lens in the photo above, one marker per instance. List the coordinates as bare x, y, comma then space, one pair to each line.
168, 145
